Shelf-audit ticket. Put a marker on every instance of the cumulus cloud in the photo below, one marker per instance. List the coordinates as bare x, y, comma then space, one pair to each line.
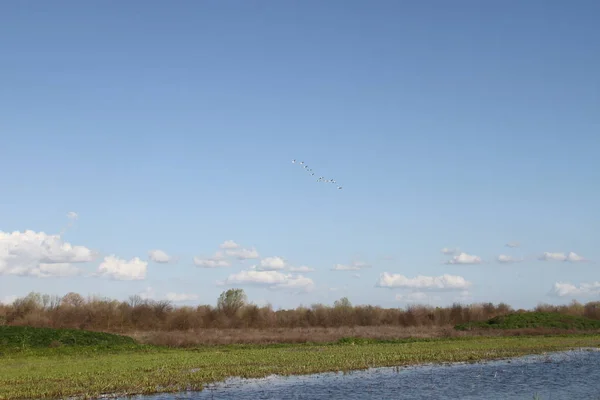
119, 269
564, 289
512, 244
180, 297
277, 263
355, 266
271, 279
31, 253
417, 297
270, 264
502, 258
72, 215
464, 258
435, 283
229, 245
342, 267
150, 294
571, 257
56, 270
243, 254
553, 257
448, 251
159, 256
302, 268
229, 249
219, 255
213, 262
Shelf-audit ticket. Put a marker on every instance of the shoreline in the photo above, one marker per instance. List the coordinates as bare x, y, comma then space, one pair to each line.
94, 372
238, 380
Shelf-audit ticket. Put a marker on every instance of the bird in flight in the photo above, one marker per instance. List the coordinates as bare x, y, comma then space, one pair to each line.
310, 171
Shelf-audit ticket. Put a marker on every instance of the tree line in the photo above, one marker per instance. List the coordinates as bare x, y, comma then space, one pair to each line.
234, 311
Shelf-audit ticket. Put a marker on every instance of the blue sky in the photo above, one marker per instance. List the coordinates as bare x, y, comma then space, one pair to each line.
172, 126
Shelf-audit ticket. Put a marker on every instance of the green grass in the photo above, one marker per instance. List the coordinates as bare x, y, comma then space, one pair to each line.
25, 337
126, 368
534, 320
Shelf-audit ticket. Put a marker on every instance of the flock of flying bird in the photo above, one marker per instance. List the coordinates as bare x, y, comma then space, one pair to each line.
310, 171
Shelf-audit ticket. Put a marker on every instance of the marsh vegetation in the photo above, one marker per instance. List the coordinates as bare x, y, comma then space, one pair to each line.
33, 368
235, 320
71, 346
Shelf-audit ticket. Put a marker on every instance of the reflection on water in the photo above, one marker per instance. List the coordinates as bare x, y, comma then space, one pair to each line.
566, 375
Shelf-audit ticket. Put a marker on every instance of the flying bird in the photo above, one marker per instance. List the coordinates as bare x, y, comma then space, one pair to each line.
309, 170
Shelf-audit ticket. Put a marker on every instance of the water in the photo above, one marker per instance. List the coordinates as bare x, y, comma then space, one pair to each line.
571, 375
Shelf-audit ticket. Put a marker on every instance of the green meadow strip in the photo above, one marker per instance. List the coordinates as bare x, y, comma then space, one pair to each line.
125, 368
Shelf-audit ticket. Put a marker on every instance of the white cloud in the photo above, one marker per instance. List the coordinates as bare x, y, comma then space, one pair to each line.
159, 256
464, 297
262, 303
219, 255
72, 215
361, 264
512, 244
564, 289
553, 257
31, 253
355, 266
213, 262
502, 258
123, 270
436, 283
342, 267
416, 297
56, 270
302, 268
148, 293
243, 254
296, 283
229, 245
464, 258
271, 279
180, 297
572, 257
447, 251
229, 249
8, 300
270, 264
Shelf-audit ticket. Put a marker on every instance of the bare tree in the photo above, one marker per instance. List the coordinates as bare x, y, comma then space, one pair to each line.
73, 299
231, 301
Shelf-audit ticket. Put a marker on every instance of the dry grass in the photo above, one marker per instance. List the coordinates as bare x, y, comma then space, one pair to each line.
286, 335
199, 337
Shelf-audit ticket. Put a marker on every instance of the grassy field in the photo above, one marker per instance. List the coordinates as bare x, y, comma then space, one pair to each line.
528, 320
33, 368
25, 337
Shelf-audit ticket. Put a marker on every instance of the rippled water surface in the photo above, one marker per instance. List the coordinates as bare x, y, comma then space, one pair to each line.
566, 375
